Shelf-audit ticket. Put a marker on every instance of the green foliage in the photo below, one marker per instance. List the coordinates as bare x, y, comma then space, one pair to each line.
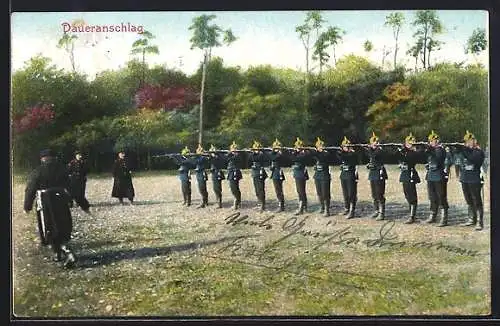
477, 42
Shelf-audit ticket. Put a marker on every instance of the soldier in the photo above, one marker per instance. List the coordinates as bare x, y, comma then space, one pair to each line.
470, 176
277, 175
348, 177
299, 158
322, 177
234, 174
49, 184
185, 166
122, 179
436, 179
201, 175
408, 157
377, 176
77, 169
216, 166
259, 175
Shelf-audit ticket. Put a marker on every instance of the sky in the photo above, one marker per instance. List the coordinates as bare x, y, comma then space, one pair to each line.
265, 37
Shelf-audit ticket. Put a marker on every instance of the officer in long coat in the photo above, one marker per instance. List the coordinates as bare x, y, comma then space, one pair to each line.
201, 160
77, 170
408, 158
49, 184
348, 177
217, 164
437, 179
472, 159
258, 159
122, 179
322, 177
234, 174
299, 158
186, 164
277, 159
377, 175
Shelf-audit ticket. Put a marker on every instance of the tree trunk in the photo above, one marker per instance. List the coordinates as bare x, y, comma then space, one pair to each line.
334, 57
425, 46
429, 59
202, 93
396, 50
72, 57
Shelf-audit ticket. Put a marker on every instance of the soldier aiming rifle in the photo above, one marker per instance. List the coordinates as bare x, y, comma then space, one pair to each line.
259, 175
322, 177
348, 177
277, 158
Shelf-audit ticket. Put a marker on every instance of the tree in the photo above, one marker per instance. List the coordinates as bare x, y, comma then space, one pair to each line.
477, 42
368, 46
67, 41
142, 46
395, 21
334, 36
428, 25
205, 37
320, 52
415, 51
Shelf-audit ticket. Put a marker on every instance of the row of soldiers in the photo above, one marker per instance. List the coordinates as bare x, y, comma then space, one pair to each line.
437, 159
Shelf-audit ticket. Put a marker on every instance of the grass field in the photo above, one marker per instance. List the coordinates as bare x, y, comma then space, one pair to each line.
159, 258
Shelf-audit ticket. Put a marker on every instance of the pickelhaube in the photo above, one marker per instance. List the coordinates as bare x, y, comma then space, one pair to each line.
433, 136
233, 146
319, 143
185, 151
468, 136
256, 145
345, 141
373, 138
199, 149
410, 139
298, 143
212, 148
276, 143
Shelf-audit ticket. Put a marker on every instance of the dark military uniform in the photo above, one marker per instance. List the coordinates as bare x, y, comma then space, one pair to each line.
49, 184
349, 180
409, 177
185, 166
217, 163
377, 175
234, 176
122, 183
202, 177
259, 176
437, 178
277, 175
472, 160
301, 176
322, 179
78, 170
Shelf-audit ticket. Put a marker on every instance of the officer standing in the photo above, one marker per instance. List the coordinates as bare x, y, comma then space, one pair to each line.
322, 177
49, 184
201, 175
408, 158
234, 174
217, 163
348, 177
436, 179
299, 158
470, 176
122, 179
277, 161
77, 169
377, 176
259, 174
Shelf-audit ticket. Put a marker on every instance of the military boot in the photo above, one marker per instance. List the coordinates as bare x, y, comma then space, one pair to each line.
70, 257
444, 217
381, 212
300, 211
322, 209
305, 206
281, 207
472, 217
377, 210
219, 202
480, 225
235, 204
188, 203
262, 205
185, 199
432, 217
202, 205
413, 213
352, 207
327, 208
346, 209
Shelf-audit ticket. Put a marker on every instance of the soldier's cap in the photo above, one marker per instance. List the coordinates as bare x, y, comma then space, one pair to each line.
276, 143
433, 136
410, 139
212, 148
199, 149
298, 143
78, 152
345, 141
233, 146
256, 145
468, 136
373, 138
46, 153
319, 143
185, 151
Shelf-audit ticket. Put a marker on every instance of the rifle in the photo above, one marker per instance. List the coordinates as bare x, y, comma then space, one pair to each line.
455, 144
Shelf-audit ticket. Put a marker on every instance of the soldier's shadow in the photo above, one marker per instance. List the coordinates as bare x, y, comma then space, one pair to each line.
89, 260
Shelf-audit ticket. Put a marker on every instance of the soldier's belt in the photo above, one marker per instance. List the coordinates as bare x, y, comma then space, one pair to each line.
469, 167
347, 168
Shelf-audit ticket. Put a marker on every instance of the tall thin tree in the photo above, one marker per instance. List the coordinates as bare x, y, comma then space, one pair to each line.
143, 47
395, 20
67, 42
